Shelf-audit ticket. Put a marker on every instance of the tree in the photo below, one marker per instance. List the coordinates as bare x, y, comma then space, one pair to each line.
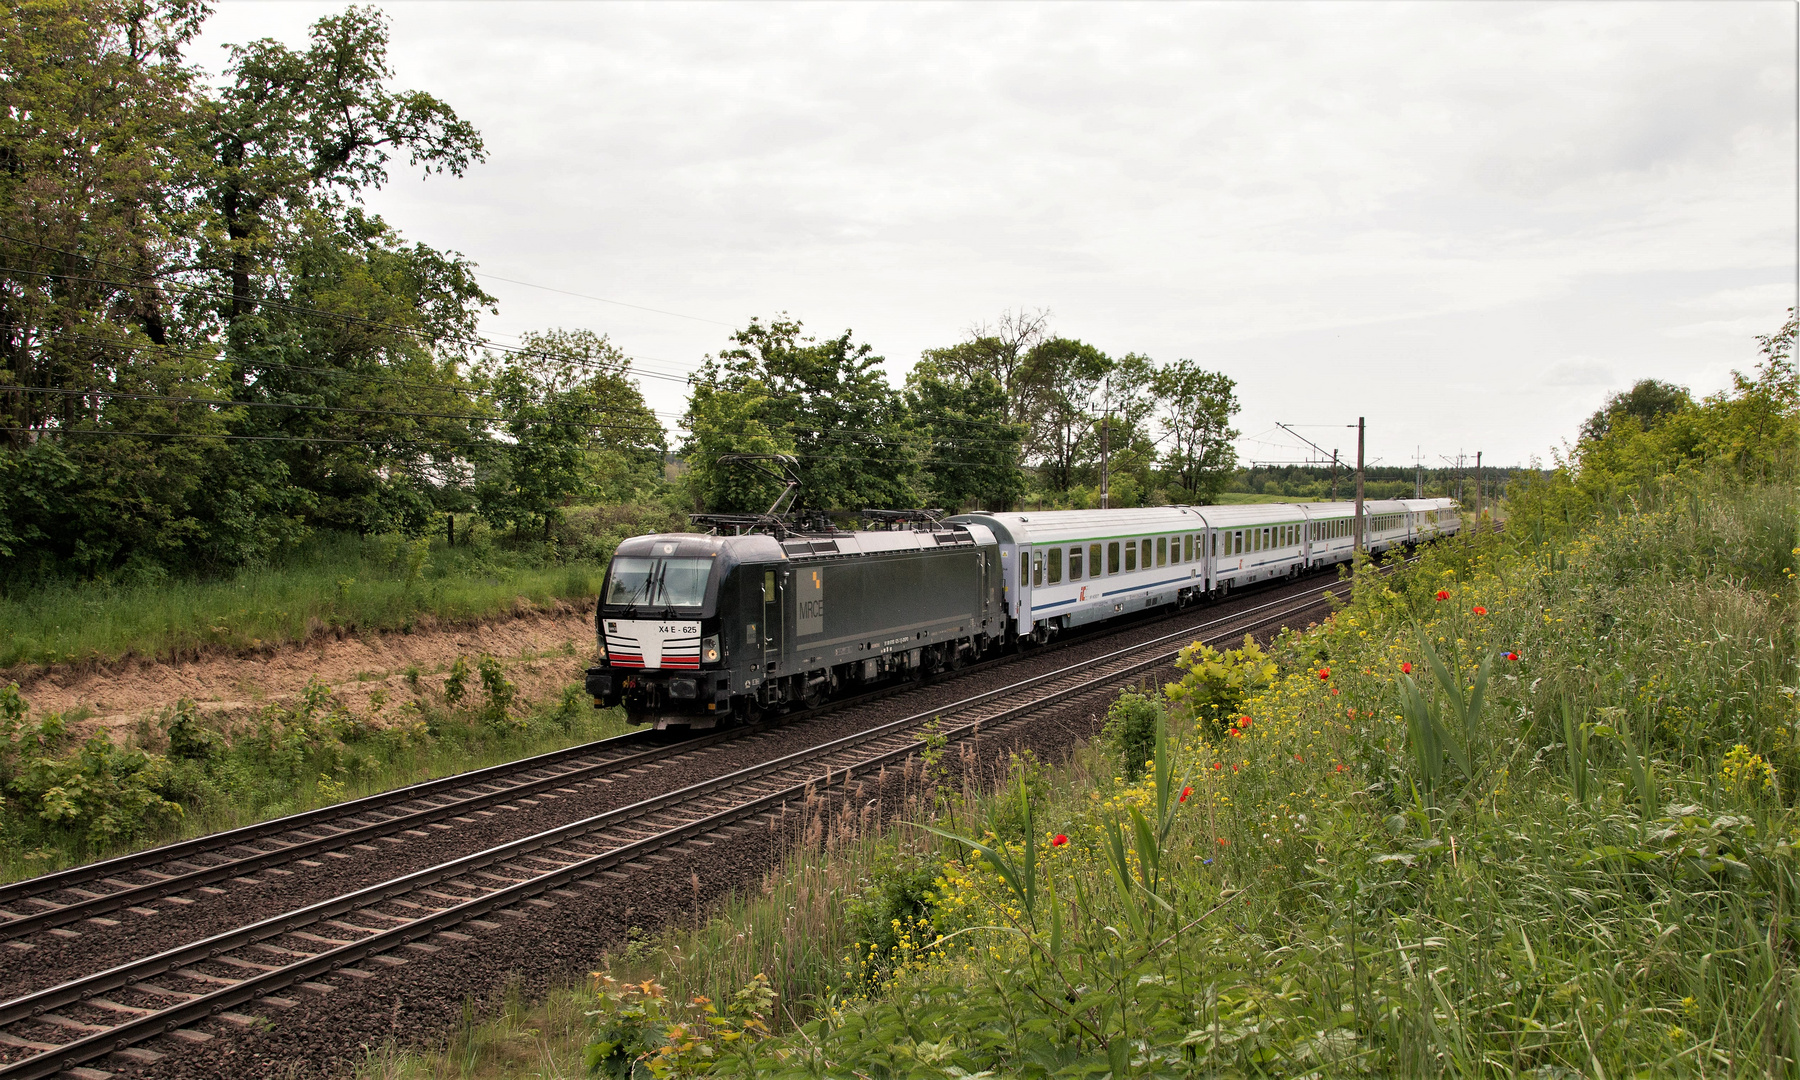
223, 348
827, 402
1064, 377
565, 406
1647, 402
998, 351
971, 455
1196, 407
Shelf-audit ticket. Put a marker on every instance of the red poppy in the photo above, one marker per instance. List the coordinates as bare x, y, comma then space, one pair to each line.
1324, 673
1234, 768
1443, 594
1340, 767
1185, 792
1243, 723
1406, 667
1218, 765
1058, 840
1334, 691
1224, 842
1512, 656
1297, 757
1479, 610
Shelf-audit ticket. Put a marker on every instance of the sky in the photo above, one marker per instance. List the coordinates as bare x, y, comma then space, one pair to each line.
1467, 222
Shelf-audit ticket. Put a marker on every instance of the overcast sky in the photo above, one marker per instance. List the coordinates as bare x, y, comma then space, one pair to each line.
1468, 222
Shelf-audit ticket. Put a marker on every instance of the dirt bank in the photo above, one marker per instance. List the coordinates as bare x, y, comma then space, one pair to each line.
543, 652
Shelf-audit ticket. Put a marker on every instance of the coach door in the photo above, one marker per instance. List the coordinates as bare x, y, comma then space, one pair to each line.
774, 586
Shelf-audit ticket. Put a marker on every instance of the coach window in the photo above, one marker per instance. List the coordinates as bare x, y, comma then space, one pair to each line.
1055, 565
1146, 546
1075, 563
1162, 551
1130, 556
1187, 546
1093, 560
1037, 569
1112, 557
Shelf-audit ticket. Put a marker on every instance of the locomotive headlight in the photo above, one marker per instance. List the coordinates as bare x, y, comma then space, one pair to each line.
709, 649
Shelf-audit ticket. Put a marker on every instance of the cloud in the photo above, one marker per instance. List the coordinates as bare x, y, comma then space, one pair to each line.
1316, 198
1580, 372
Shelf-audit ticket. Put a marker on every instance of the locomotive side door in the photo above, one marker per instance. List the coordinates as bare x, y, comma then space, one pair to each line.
774, 586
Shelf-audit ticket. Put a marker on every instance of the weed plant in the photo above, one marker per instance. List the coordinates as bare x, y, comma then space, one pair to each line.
68, 802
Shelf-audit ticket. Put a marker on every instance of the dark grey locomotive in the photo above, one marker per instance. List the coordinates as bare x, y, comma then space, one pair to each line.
697, 628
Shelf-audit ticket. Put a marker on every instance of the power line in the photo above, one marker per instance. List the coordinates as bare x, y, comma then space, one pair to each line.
602, 299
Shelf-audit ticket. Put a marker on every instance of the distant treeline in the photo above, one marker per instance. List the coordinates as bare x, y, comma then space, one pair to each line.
1379, 481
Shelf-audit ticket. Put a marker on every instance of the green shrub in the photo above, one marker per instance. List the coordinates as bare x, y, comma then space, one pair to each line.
1130, 731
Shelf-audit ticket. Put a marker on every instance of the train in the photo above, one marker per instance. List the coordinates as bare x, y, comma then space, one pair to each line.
760, 616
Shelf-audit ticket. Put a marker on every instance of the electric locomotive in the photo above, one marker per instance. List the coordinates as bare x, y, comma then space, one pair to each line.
694, 629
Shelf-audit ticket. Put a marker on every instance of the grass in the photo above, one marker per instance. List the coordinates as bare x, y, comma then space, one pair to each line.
1579, 862
332, 581
70, 803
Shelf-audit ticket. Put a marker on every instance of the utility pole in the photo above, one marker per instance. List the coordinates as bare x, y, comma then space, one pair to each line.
1419, 474
1105, 447
1334, 467
1359, 485
1478, 487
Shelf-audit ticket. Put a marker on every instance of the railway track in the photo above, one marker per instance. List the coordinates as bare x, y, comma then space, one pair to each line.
111, 1012
129, 883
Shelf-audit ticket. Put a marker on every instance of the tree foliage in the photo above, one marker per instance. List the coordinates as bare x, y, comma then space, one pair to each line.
1656, 433
208, 345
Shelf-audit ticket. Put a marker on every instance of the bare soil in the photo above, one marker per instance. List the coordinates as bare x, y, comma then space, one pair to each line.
543, 652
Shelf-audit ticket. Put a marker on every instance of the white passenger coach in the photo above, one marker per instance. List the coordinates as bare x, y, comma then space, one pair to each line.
1064, 568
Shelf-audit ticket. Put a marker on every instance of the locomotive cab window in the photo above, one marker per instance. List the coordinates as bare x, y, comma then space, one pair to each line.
658, 582
1056, 565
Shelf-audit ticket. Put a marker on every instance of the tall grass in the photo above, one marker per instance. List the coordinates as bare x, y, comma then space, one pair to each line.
332, 581
1588, 869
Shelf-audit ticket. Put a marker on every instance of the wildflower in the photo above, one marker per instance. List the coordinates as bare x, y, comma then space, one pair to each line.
1234, 768
1512, 656
1406, 667
1243, 723
1340, 766
1297, 757
1334, 691
1224, 842
1479, 610
1218, 765
1324, 673
1443, 594
1059, 840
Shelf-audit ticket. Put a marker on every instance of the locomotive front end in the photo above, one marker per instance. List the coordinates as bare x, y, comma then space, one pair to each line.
657, 626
